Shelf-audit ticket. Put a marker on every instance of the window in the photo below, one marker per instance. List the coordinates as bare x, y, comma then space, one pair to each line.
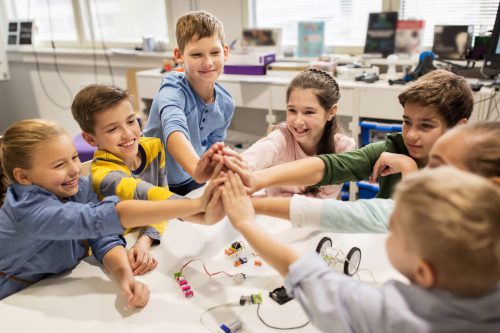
54, 19
124, 21
480, 13
345, 20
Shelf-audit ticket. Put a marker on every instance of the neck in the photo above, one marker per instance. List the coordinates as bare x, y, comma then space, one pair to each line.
207, 93
134, 163
422, 162
310, 148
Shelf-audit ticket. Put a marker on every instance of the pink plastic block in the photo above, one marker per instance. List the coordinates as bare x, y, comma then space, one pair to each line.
182, 282
185, 288
189, 293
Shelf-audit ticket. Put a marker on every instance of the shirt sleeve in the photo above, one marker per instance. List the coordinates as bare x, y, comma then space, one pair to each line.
47, 218
353, 165
266, 151
334, 302
100, 246
172, 104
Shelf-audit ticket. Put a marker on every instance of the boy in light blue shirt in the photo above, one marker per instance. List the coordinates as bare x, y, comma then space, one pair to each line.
191, 111
447, 246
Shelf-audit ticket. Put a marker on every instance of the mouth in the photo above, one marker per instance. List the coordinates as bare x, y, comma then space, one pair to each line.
207, 72
128, 144
413, 147
301, 131
71, 183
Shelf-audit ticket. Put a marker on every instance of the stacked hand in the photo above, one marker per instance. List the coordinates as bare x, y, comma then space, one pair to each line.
390, 163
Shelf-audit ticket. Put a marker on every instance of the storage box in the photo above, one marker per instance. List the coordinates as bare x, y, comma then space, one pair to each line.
367, 190
245, 69
374, 131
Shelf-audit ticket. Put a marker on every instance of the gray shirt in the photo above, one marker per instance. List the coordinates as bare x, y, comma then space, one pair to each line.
338, 303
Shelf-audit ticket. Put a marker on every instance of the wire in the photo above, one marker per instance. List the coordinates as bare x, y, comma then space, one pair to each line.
226, 305
276, 327
205, 268
110, 69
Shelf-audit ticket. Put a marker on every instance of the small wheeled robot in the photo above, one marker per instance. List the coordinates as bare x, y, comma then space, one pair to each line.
336, 259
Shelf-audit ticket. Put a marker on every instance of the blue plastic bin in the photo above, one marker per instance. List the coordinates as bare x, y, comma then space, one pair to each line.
344, 192
372, 131
367, 190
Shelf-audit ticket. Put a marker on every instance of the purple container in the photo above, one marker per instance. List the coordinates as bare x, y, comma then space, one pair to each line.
245, 69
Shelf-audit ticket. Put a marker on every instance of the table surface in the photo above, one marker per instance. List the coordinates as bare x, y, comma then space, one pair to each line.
85, 300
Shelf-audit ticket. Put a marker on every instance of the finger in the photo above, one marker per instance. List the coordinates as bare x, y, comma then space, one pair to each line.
231, 165
143, 268
139, 260
231, 152
218, 169
131, 257
234, 184
375, 171
154, 264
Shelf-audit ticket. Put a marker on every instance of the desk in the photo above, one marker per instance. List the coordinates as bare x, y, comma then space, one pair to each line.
84, 300
358, 99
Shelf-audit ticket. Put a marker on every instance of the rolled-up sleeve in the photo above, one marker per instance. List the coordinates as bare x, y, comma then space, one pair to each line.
100, 246
172, 104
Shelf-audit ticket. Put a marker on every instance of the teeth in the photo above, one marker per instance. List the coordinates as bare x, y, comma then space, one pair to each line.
128, 143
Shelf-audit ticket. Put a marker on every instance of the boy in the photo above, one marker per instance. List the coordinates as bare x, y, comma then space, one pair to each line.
126, 164
452, 260
433, 104
191, 111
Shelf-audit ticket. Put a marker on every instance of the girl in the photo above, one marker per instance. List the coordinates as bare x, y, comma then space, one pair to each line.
311, 128
479, 153
48, 211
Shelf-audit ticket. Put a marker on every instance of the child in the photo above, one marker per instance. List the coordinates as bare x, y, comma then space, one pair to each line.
48, 210
448, 246
191, 111
125, 164
479, 153
311, 129
433, 104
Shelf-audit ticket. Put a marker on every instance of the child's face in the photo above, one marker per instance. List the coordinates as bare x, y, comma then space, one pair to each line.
445, 152
56, 167
398, 249
305, 117
203, 59
422, 126
117, 132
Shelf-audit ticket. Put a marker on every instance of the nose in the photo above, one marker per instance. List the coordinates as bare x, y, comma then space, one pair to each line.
299, 119
412, 134
207, 62
75, 167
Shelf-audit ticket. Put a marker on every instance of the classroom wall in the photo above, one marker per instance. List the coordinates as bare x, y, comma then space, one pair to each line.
23, 97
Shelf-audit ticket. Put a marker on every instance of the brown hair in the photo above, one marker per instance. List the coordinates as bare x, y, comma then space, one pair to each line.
197, 25
20, 143
448, 93
327, 92
451, 219
483, 157
94, 99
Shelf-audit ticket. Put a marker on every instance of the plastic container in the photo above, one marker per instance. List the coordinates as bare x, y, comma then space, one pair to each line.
367, 190
374, 131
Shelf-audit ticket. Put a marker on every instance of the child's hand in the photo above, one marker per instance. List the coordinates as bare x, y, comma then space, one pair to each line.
141, 261
136, 293
240, 167
207, 163
390, 163
215, 210
237, 204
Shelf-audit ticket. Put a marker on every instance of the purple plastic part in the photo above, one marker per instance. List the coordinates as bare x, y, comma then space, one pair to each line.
245, 69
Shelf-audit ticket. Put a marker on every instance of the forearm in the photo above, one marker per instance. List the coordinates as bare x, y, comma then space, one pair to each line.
116, 263
303, 172
277, 254
138, 213
145, 241
276, 207
183, 152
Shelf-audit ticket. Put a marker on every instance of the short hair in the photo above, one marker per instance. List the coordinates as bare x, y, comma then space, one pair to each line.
448, 93
483, 155
451, 220
197, 25
93, 99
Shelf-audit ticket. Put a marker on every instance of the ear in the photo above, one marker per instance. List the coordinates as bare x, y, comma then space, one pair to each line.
21, 176
178, 56
332, 112
425, 275
462, 121
89, 138
495, 180
226, 52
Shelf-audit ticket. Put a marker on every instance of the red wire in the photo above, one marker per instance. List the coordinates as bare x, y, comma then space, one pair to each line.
204, 267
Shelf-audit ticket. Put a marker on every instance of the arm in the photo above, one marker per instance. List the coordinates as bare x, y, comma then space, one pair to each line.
239, 209
276, 207
266, 151
116, 263
179, 146
390, 163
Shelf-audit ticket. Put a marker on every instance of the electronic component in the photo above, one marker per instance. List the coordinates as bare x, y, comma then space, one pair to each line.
336, 259
232, 327
239, 278
252, 299
280, 295
240, 261
235, 247
183, 284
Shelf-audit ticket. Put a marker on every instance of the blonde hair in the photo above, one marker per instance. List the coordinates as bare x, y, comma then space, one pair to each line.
197, 25
20, 143
451, 220
483, 157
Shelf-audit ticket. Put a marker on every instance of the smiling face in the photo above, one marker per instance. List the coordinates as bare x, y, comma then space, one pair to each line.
203, 60
422, 126
306, 118
117, 132
56, 168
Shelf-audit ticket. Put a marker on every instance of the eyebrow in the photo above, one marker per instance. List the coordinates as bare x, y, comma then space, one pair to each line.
425, 119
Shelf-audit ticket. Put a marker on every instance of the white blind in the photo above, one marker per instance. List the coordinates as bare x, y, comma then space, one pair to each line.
345, 20
54, 19
125, 21
480, 13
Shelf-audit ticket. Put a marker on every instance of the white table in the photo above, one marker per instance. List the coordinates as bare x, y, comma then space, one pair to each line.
85, 300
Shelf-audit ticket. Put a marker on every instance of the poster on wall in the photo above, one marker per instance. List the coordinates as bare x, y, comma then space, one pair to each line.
311, 40
381, 33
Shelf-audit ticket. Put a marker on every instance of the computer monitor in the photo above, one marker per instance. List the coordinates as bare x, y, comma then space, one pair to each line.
492, 59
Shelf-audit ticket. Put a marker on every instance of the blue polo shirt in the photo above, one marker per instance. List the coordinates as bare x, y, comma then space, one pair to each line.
177, 107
